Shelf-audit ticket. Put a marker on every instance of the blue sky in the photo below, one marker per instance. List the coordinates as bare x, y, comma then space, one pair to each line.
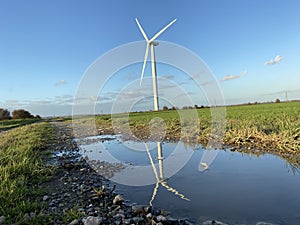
252, 47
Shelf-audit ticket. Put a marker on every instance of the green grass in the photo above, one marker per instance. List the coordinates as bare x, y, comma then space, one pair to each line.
22, 170
272, 127
9, 124
275, 126
71, 214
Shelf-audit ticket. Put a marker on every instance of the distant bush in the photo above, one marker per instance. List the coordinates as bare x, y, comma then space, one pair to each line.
37, 116
4, 114
21, 114
165, 108
277, 100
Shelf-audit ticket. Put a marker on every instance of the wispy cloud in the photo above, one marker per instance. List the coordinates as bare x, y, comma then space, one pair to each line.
198, 75
60, 83
231, 77
207, 82
277, 59
58, 105
169, 77
132, 76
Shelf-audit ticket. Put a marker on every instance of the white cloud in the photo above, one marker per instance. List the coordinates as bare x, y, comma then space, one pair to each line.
231, 77
277, 59
61, 82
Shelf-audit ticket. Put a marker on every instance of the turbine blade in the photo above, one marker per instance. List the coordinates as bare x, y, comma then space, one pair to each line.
142, 30
162, 30
144, 64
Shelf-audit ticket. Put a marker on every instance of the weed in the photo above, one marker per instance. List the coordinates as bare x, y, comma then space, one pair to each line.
99, 192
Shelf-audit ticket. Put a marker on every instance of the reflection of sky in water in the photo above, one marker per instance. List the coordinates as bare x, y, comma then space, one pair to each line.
123, 153
237, 188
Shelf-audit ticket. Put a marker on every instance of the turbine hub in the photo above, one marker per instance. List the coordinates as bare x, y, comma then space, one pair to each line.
154, 43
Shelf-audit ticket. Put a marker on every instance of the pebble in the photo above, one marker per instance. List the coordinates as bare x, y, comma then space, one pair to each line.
74, 222
26, 216
264, 223
163, 212
117, 222
92, 220
188, 223
127, 221
172, 220
119, 199
161, 218
137, 219
119, 216
213, 222
2, 219
45, 198
149, 215
137, 209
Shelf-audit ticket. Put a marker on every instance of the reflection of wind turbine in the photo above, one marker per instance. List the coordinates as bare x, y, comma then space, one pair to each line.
160, 179
151, 43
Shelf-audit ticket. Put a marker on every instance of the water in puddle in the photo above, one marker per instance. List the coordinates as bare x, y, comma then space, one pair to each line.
236, 189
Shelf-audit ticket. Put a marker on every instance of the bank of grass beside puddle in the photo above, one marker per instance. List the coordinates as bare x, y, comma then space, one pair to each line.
22, 170
274, 127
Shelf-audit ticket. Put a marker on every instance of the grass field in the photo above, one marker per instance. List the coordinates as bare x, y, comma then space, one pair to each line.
22, 169
9, 124
272, 127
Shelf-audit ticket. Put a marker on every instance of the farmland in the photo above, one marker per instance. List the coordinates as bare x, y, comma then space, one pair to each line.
268, 127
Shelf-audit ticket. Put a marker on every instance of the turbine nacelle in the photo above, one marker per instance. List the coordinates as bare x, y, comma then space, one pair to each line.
154, 43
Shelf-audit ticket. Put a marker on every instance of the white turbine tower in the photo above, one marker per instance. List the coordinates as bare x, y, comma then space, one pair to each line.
151, 43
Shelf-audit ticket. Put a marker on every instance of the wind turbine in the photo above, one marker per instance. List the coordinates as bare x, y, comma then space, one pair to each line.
151, 43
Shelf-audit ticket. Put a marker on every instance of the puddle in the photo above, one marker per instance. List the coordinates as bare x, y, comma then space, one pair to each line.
236, 188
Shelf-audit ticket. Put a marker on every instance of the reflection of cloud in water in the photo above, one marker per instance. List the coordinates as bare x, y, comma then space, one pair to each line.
207, 159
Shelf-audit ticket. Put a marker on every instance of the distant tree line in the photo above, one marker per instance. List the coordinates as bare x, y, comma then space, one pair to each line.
184, 107
16, 114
